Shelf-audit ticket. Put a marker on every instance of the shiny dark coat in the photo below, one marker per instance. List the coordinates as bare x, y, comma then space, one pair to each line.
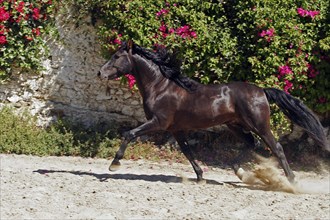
177, 104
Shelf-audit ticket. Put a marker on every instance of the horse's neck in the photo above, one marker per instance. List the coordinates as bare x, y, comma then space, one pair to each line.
147, 74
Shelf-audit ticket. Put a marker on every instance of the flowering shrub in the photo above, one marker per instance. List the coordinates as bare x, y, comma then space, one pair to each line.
21, 24
287, 48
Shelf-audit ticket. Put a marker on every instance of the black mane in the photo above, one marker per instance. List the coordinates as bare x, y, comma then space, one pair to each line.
168, 64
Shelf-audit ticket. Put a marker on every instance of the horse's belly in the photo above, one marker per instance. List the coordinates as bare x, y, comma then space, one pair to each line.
192, 122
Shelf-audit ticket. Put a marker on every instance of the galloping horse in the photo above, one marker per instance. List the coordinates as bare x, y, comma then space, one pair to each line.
175, 103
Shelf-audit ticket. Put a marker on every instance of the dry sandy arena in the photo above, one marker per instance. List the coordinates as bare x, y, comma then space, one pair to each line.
79, 188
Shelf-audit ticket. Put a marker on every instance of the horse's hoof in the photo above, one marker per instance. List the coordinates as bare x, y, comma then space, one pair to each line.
201, 181
114, 166
292, 181
235, 168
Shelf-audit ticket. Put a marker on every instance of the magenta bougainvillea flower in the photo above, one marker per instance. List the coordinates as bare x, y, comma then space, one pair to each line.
36, 13
284, 70
287, 86
322, 100
312, 72
36, 31
3, 39
131, 80
163, 11
20, 7
267, 34
4, 15
117, 41
185, 32
305, 13
163, 27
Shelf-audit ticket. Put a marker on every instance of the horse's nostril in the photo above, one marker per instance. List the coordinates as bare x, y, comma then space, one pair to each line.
99, 73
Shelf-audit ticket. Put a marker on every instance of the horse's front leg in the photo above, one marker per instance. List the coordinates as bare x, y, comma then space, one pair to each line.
150, 126
180, 138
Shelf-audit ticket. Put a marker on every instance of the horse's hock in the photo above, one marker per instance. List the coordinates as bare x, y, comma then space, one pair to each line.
69, 86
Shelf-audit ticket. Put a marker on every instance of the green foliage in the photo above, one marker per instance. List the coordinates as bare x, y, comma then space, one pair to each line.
22, 24
20, 135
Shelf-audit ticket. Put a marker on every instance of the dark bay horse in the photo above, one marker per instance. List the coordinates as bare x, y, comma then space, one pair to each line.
176, 103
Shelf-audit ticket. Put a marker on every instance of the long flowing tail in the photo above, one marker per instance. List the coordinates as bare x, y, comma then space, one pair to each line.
299, 113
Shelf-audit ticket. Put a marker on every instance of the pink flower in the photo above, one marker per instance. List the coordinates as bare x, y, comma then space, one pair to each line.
312, 14
171, 31
288, 85
312, 72
304, 13
3, 39
36, 31
131, 80
322, 100
2, 29
29, 38
4, 15
157, 46
182, 30
284, 70
163, 28
193, 34
164, 35
269, 32
185, 32
36, 13
116, 41
20, 7
162, 12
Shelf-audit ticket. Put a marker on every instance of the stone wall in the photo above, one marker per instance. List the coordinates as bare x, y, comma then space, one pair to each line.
69, 86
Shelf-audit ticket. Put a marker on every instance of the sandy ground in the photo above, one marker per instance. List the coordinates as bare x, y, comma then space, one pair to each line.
79, 188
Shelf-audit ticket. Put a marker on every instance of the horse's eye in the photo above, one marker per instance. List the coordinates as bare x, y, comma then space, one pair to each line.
116, 56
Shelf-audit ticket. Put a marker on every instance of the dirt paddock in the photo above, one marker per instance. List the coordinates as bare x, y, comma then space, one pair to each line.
78, 188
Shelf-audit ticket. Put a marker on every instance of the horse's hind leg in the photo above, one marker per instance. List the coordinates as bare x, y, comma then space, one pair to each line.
247, 138
180, 138
277, 149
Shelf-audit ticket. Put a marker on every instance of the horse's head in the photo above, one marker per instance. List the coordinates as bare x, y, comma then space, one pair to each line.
119, 64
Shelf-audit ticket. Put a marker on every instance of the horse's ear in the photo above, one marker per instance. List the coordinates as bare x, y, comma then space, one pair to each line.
129, 45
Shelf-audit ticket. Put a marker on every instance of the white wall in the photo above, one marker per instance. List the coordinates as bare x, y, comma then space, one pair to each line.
69, 86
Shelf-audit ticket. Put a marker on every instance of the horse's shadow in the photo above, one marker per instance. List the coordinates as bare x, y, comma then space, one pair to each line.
149, 178
103, 177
